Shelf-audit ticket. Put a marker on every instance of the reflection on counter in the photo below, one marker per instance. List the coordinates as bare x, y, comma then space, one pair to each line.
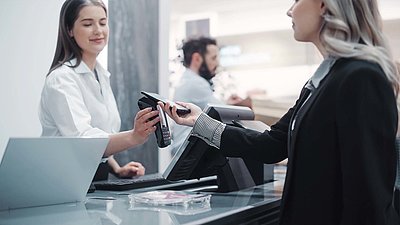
63, 214
105, 214
175, 202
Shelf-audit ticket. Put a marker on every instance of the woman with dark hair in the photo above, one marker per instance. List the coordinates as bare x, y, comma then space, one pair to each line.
339, 137
77, 99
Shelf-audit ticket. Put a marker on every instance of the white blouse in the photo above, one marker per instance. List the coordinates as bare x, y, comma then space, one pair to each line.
74, 103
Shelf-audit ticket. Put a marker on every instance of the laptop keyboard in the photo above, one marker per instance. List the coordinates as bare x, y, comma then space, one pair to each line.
129, 184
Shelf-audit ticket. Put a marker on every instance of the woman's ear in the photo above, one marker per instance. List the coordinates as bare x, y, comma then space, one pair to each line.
70, 33
323, 8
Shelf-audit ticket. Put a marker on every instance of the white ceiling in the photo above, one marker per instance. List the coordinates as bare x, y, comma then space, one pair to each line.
184, 7
389, 8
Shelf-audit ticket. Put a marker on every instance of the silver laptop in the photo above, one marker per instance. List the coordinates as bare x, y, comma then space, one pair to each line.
48, 170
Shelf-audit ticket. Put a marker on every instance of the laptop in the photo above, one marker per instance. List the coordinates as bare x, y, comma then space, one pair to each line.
48, 170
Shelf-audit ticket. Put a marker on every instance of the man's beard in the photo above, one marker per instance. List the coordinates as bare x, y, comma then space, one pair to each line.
205, 72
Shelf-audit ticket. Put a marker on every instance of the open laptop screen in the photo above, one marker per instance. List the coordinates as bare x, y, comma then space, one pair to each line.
48, 170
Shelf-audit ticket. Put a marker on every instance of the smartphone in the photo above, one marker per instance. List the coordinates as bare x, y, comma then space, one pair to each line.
180, 110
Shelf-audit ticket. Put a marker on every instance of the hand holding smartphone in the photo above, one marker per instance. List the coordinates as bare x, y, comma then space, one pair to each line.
180, 110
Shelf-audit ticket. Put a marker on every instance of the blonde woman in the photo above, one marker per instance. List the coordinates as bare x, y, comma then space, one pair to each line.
339, 137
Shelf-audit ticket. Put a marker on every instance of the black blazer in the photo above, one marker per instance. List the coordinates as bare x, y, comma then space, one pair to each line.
341, 153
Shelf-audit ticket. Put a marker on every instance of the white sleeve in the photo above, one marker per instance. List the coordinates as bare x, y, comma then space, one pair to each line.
64, 102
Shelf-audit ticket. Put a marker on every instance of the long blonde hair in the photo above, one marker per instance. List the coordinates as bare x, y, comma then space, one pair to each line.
353, 28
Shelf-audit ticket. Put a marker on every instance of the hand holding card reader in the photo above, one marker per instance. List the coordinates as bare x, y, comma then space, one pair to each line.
180, 110
163, 134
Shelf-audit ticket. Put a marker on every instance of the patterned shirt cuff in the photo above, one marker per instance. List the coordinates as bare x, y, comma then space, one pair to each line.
209, 130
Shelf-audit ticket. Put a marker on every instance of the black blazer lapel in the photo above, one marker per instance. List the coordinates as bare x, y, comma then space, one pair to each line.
301, 112
303, 96
300, 116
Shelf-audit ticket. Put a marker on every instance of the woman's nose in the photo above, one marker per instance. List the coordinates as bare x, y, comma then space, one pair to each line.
289, 12
97, 29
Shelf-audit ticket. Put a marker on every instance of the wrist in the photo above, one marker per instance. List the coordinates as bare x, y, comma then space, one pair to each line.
117, 171
114, 166
132, 138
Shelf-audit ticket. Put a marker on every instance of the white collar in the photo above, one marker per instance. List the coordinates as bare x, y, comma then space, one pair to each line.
82, 68
321, 72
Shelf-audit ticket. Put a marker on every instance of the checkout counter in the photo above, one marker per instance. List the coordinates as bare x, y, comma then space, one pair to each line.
256, 204
246, 204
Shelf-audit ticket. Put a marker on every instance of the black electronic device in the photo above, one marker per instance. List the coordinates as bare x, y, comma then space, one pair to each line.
196, 159
148, 180
180, 110
163, 134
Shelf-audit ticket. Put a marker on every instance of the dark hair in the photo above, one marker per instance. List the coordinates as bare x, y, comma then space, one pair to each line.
67, 48
194, 45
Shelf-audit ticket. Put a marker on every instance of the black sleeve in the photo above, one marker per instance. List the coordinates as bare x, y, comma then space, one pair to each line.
366, 126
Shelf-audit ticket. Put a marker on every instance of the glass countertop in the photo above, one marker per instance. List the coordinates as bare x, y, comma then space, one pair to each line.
107, 207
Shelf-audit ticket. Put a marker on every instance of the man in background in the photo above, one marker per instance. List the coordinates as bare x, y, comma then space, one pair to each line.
201, 59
